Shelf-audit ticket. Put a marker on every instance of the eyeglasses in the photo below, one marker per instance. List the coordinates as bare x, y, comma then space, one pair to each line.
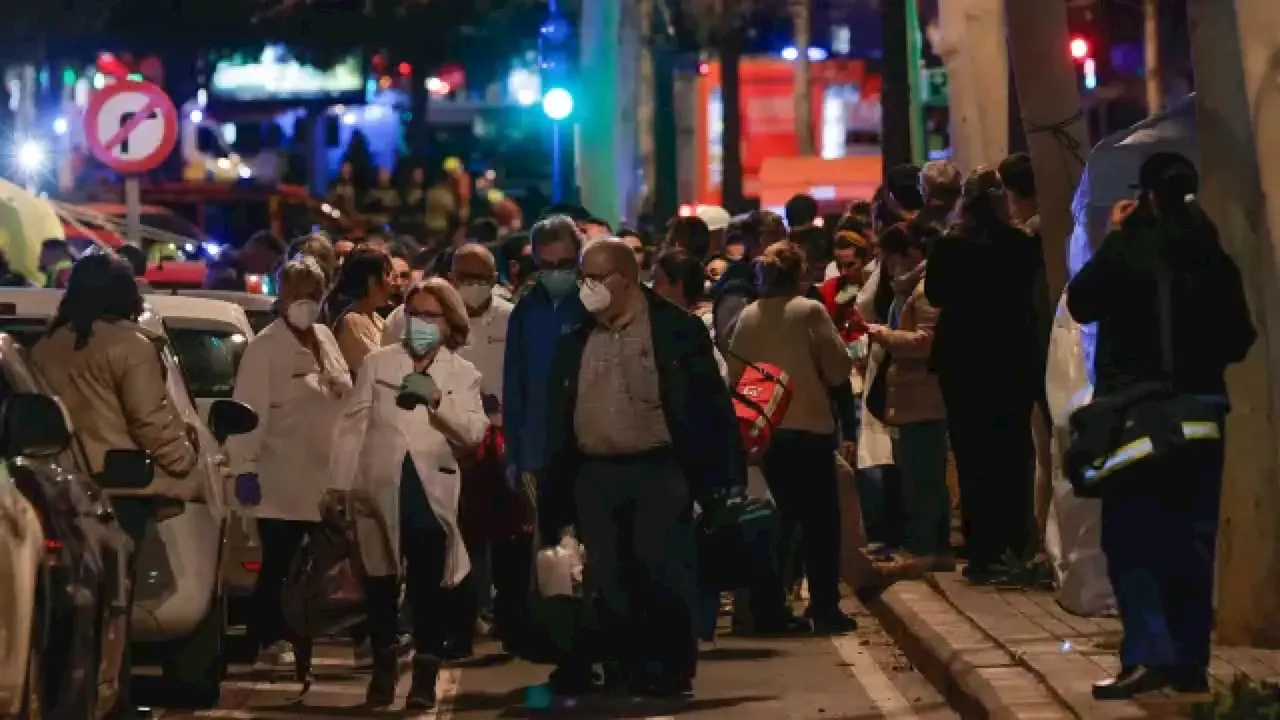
423, 315
599, 277
846, 264
565, 264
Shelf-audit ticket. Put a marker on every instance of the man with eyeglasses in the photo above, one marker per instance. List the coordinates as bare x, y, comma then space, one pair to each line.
640, 426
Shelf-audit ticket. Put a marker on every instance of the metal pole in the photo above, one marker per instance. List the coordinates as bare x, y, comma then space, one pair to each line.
133, 210
557, 173
915, 65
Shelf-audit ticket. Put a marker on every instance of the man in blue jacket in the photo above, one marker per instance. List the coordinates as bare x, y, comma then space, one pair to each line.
548, 309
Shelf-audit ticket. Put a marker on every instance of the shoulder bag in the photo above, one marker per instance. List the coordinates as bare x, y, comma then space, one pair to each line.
1114, 436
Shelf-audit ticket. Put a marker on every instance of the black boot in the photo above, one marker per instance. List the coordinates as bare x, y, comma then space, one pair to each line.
1130, 683
382, 686
422, 693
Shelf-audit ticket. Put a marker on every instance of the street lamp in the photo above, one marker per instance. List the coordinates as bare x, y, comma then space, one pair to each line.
31, 159
557, 103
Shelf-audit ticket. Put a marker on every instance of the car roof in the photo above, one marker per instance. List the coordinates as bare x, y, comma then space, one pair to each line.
251, 302
200, 312
42, 304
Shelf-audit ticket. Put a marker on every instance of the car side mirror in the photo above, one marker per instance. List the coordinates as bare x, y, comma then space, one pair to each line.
231, 417
34, 425
126, 470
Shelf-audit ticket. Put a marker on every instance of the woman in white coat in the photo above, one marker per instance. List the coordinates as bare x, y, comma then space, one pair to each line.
404, 462
294, 376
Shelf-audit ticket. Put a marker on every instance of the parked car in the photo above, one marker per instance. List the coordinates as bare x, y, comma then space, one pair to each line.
259, 308
82, 596
209, 337
24, 583
179, 611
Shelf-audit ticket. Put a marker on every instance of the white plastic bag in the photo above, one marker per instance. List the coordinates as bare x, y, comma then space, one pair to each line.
1073, 532
559, 569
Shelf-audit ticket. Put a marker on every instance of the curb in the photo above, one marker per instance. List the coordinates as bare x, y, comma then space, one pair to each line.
977, 677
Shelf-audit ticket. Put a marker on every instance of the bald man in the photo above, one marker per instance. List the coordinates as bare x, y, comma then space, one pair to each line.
495, 522
640, 427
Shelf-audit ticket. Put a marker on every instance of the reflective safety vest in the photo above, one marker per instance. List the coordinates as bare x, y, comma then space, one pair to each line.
1141, 448
55, 276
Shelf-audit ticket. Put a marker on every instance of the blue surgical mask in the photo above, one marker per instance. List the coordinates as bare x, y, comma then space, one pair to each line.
559, 283
421, 337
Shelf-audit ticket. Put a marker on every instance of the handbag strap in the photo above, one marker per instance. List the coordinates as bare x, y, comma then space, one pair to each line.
1164, 300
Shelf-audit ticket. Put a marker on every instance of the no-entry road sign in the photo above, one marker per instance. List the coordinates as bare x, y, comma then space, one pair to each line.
131, 126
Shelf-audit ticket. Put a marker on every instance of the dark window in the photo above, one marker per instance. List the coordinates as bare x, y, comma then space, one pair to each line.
209, 360
24, 331
260, 319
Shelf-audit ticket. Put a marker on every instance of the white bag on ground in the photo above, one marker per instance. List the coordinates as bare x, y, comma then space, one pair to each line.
1073, 533
559, 569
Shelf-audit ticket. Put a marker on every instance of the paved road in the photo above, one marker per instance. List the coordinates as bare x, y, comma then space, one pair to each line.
861, 676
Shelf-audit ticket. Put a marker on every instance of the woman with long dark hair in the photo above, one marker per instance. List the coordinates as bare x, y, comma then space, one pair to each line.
106, 369
988, 359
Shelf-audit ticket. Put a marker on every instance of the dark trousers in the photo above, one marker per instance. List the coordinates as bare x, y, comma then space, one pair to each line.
1159, 533
510, 566
800, 468
134, 516
880, 492
995, 466
279, 540
635, 517
434, 608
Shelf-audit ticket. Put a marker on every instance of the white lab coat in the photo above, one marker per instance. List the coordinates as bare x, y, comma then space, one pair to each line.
373, 436
297, 404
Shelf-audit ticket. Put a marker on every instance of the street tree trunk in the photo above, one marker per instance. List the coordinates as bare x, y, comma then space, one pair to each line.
731, 190
1151, 55
646, 130
971, 44
802, 94
1236, 49
1050, 102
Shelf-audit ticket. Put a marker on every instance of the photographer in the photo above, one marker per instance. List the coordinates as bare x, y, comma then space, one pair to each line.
1160, 517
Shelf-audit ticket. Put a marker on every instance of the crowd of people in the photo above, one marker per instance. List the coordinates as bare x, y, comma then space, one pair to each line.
490, 396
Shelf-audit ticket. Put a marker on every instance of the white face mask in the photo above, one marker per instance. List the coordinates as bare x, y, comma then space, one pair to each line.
302, 314
595, 296
475, 296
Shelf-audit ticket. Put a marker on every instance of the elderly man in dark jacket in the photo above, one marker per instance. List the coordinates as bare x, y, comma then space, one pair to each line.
639, 427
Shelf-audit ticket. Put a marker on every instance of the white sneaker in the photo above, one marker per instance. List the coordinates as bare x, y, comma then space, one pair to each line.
274, 655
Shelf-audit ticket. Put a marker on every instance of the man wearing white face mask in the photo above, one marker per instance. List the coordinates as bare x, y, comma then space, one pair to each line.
293, 375
640, 427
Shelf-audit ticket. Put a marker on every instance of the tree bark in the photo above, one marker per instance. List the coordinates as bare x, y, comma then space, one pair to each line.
1050, 102
971, 44
1151, 55
1236, 50
731, 190
646, 127
802, 94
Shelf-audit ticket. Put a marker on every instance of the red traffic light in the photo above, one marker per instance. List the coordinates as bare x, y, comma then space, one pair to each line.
1079, 48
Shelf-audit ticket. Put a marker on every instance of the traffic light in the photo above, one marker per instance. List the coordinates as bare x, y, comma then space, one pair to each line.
555, 64
1080, 49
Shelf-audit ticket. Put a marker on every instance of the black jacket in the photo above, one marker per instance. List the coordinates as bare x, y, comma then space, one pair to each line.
1117, 289
695, 402
735, 290
988, 331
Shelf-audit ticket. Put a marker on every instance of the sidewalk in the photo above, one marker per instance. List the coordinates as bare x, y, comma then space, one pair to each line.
1017, 654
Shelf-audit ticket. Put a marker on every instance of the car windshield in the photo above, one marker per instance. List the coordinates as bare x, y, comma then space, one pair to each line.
208, 358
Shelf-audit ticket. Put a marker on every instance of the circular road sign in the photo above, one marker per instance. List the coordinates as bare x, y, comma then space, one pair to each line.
131, 126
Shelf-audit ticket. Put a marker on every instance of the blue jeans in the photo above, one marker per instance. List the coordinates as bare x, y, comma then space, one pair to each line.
1159, 533
880, 491
920, 452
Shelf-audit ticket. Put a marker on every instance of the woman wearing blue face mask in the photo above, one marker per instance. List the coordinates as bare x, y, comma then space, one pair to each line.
415, 407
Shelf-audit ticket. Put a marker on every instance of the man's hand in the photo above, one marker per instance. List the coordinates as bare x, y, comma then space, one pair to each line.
877, 333
1121, 212
849, 452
